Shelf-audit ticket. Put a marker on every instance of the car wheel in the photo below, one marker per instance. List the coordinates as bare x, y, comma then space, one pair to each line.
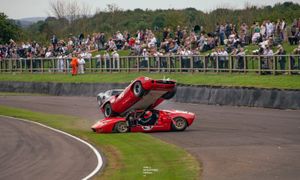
170, 94
138, 89
107, 110
121, 127
99, 101
179, 124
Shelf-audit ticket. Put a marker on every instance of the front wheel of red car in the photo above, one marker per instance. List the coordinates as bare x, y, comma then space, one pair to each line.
107, 110
121, 127
138, 89
179, 124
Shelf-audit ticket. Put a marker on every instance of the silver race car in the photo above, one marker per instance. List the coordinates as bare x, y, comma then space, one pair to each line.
102, 97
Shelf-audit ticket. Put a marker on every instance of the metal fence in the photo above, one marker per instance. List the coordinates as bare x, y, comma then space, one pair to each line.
277, 64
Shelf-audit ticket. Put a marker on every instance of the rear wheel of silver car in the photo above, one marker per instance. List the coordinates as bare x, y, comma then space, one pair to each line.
99, 101
138, 89
121, 127
179, 124
107, 110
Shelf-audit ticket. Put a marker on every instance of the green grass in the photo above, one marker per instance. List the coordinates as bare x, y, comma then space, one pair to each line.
239, 80
127, 154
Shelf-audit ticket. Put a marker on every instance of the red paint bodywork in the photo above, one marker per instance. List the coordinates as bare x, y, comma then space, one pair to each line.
122, 103
164, 122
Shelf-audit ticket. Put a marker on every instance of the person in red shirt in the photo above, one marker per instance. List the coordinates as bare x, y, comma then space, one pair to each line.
74, 65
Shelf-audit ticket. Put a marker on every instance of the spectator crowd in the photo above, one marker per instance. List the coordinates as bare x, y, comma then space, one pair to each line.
226, 39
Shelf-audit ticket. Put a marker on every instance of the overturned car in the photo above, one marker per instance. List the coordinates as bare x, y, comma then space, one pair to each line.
134, 109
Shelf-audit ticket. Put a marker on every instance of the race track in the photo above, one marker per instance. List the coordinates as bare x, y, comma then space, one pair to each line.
231, 142
30, 151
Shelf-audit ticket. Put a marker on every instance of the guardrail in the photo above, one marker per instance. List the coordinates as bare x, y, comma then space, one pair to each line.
276, 64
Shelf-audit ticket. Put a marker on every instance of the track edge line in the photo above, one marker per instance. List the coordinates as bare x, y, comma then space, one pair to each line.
99, 157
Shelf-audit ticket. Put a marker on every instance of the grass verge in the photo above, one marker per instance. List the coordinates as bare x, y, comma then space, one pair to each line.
128, 154
240, 80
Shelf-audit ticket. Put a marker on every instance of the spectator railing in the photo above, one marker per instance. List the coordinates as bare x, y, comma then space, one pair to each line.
276, 64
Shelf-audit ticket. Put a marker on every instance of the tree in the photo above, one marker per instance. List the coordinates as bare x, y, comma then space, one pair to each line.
8, 29
159, 21
71, 10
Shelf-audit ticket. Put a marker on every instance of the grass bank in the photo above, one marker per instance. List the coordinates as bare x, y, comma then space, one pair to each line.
128, 154
240, 80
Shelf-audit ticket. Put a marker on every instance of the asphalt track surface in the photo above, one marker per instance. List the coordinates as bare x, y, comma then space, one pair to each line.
231, 142
30, 151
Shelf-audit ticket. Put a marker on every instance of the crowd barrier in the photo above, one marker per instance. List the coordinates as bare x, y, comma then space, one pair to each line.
276, 64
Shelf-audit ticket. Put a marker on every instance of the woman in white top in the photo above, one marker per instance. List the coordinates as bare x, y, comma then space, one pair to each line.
81, 63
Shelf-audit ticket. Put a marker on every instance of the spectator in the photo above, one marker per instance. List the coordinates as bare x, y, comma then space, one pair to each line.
228, 30
268, 57
116, 60
144, 62
281, 57
74, 65
240, 55
81, 63
295, 38
54, 41
296, 53
223, 58
106, 58
60, 63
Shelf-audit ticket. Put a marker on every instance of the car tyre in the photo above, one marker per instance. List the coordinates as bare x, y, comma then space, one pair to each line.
179, 124
107, 110
138, 89
170, 94
121, 127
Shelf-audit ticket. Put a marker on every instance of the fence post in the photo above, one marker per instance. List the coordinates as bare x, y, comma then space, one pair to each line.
274, 65
128, 65
53, 66
42, 66
91, 70
169, 64
245, 64
259, 64
230, 64
289, 64
137, 64
217, 64
180, 63
21, 65
31, 65
148, 64
204, 64
158, 64
10, 64
192, 64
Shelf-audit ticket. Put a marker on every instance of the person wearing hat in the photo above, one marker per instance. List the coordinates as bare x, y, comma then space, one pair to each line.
74, 65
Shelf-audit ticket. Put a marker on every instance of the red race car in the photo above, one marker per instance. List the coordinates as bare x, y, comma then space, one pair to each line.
148, 121
133, 109
142, 93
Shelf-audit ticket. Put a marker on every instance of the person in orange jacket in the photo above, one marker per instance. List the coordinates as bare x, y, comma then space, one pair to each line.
74, 65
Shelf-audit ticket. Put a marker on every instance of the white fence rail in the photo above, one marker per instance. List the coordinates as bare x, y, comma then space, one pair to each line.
277, 64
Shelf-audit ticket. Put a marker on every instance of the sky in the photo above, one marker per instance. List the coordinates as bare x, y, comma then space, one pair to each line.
17, 9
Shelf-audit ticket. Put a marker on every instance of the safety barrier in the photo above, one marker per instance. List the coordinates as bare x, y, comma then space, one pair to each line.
276, 64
